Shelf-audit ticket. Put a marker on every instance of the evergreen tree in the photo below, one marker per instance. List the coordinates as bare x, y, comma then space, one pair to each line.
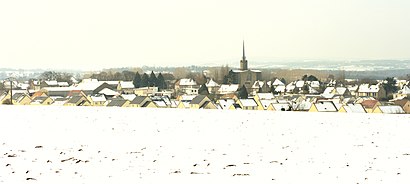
152, 79
243, 93
272, 89
144, 80
390, 86
137, 80
161, 82
203, 90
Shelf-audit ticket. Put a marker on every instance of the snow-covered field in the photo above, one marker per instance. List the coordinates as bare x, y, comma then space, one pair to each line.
47, 144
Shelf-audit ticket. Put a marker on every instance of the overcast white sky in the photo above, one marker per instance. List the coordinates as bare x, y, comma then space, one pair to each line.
86, 34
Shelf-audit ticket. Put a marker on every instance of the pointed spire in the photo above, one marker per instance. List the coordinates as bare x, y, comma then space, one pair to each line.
243, 47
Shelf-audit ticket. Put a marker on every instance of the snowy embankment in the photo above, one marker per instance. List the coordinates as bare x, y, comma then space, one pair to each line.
47, 144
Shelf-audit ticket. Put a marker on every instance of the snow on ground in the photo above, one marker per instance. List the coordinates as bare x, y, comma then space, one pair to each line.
49, 144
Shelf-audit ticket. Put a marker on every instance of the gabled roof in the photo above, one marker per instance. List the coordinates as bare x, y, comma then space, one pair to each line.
108, 92
40, 99
117, 102
402, 102
139, 99
354, 108
98, 98
266, 103
248, 102
369, 104
127, 84
212, 83
367, 88
18, 96
226, 103
393, 109
325, 106
51, 83
265, 96
187, 82
277, 82
229, 88
128, 97
405, 90
75, 99
198, 99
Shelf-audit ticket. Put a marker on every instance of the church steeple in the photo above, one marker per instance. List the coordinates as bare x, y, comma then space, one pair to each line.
244, 62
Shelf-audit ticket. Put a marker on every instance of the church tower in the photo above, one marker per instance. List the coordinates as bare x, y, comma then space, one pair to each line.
244, 62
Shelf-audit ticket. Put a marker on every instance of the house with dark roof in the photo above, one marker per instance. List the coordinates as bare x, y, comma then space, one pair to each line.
21, 99
405, 104
41, 100
142, 101
209, 105
78, 101
118, 102
198, 101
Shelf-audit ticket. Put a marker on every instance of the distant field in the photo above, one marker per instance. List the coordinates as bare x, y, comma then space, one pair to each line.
48, 144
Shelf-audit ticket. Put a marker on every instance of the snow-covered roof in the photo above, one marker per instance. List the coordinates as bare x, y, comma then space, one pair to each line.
258, 71
127, 84
299, 84
304, 105
212, 83
341, 90
100, 98
187, 97
280, 89
314, 84
238, 71
161, 103
187, 82
328, 90
226, 103
248, 102
326, 106
108, 92
354, 108
258, 84
128, 97
393, 109
367, 88
265, 96
266, 103
277, 82
405, 90
65, 84
61, 88
281, 106
51, 83
228, 88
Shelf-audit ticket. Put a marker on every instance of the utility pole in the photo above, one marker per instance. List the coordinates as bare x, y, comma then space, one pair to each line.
11, 89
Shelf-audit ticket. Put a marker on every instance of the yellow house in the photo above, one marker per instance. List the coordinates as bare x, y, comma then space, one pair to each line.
247, 104
352, 108
4, 98
370, 105
41, 100
235, 106
98, 100
142, 101
209, 105
119, 102
405, 104
198, 101
323, 106
21, 99
271, 107
393, 109
78, 101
